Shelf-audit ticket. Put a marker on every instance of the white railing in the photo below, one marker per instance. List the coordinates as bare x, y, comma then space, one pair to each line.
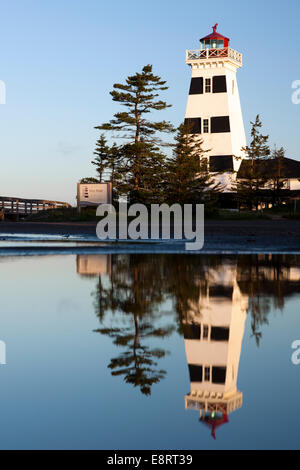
214, 53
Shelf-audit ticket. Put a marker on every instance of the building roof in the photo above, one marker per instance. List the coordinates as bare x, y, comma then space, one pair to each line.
214, 35
290, 168
214, 423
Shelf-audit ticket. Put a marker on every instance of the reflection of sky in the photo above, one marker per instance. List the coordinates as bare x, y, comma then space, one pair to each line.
56, 390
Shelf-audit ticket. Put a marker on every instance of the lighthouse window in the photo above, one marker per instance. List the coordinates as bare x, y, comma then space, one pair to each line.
219, 84
196, 86
219, 333
191, 331
218, 375
219, 124
194, 125
195, 373
212, 44
207, 374
205, 126
208, 85
205, 331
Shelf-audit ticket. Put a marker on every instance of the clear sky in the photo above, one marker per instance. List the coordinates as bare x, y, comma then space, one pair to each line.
60, 58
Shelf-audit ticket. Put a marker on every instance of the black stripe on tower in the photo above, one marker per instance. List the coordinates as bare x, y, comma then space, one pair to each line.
218, 374
191, 331
195, 373
219, 84
196, 87
194, 125
220, 163
219, 124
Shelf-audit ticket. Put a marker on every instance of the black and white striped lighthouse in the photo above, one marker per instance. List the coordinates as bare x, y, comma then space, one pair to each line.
213, 109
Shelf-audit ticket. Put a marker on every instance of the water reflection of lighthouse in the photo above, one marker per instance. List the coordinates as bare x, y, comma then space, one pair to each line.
213, 334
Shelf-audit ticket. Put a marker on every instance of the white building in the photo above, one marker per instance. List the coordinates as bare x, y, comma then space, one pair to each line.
213, 108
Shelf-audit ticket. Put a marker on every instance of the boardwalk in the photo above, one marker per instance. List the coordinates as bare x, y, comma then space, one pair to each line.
18, 206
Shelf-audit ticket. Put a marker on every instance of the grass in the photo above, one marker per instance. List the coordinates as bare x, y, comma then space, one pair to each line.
87, 214
285, 211
224, 214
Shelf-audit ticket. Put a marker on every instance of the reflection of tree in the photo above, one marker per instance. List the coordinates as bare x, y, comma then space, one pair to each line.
104, 298
137, 363
266, 280
139, 284
133, 297
259, 308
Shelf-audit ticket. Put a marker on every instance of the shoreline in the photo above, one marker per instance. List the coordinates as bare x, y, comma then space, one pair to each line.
281, 235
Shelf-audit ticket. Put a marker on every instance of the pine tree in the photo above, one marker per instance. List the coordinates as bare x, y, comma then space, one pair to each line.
251, 188
102, 154
277, 182
113, 161
151, 174
187, 177
107, 162
88, 180
140, 155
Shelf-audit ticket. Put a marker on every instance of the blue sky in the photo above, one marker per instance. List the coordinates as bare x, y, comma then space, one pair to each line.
59, 60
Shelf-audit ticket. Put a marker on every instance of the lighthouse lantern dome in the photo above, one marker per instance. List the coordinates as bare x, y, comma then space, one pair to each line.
214, 40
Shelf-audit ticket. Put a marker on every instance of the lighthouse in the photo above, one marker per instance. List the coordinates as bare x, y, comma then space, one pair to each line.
213, 108
213, 334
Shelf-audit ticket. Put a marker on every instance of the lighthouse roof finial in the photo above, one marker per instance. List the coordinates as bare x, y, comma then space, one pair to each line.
216, 35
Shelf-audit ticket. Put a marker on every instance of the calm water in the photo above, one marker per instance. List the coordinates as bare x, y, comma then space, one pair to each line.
150, 351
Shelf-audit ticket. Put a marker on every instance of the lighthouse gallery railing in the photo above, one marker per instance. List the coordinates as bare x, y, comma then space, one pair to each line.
214, 53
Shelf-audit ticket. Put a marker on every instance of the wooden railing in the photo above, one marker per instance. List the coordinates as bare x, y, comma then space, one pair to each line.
213, 54
22, 206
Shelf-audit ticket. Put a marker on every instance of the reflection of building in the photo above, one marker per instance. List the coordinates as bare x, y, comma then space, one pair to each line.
93, 265
274, 276
213, 336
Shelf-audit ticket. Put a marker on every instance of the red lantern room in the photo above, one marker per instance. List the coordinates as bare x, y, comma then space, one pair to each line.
214, 40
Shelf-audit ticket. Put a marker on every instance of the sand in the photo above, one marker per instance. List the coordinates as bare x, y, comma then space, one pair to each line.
242, 235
